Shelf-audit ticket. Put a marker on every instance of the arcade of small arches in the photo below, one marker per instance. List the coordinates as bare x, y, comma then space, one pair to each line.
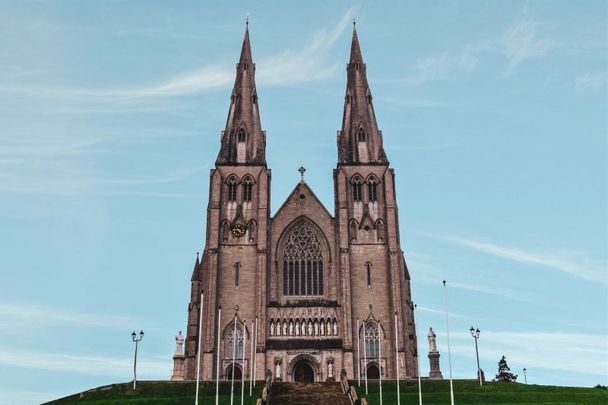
311, 327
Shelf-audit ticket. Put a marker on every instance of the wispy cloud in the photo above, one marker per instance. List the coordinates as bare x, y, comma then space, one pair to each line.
572, 352
591, 81
14, 315
521, 41
118, 367
575, 264
445, 65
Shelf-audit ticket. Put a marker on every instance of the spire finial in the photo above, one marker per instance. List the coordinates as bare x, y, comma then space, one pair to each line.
247, 22
354, 23
196, 255
302, 170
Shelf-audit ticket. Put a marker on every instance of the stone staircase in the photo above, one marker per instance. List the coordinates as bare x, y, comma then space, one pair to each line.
321, 393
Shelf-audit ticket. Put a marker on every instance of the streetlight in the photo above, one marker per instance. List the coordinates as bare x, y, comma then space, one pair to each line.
525, 376
136, 339
475, 334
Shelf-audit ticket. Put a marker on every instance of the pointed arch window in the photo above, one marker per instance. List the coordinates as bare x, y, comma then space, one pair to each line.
232, 189
372, 190
368, 268
361, 135
372, 339
247, 190
237, 273
233, 336
242, 135
302, 263
357, 194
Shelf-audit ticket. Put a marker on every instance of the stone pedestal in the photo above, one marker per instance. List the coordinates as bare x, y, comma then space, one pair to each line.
178, 367
435, 373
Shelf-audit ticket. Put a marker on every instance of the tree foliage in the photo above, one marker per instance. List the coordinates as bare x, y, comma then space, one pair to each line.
504, 373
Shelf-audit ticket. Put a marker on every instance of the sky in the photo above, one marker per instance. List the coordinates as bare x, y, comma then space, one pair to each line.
494, 119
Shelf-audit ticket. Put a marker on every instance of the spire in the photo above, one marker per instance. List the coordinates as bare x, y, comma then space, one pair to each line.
243, 141
360, 140
196, 274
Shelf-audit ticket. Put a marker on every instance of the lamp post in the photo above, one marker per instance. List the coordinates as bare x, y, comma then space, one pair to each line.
475, 334
525, 376
136, 338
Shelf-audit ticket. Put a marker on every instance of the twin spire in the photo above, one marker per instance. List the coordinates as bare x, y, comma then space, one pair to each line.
244, 141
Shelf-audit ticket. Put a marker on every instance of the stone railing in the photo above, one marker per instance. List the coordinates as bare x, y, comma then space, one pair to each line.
350, 391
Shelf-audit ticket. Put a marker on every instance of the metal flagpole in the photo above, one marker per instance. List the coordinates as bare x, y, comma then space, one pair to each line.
217, 363
255, 349
198, 353
233, 360
358, 354
397, 359
447, 326
380, 359
418, 362
365, 356
251, 363
243, 364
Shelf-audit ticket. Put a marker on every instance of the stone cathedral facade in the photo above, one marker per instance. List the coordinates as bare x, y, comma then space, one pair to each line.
316, 291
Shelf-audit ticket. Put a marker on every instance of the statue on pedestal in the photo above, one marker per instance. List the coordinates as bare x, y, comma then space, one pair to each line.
435, 372
432, 341
277, 369
179, 343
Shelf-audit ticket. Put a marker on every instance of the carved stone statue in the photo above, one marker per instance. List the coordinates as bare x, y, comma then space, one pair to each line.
284, 327
290, 328
271, 328
322, 327
309, 328
316, 328
330, 369
179, 343
297, 328
277, 370
335, 328
432, 341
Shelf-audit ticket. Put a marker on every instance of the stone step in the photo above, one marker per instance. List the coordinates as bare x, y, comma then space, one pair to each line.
308, 394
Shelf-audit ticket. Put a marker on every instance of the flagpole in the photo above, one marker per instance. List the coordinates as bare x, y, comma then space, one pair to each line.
233, 360
418, 361
255, 347
198, 353
358, 354
217, 363
365, 357
447, 326
251, 363
397, 359
380, 359
243, 364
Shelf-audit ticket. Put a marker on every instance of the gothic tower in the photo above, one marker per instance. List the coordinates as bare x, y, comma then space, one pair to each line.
233, 266
325, 292
375, 279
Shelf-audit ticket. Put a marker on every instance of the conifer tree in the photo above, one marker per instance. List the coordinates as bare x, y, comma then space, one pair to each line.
504, 373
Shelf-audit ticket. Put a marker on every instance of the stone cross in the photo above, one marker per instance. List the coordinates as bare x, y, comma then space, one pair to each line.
302, 170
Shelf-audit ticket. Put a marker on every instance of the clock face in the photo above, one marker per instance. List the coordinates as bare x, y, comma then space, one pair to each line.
239, 230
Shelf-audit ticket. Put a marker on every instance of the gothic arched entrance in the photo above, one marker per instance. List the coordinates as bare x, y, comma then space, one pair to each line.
303, 372
237, 372
372, 372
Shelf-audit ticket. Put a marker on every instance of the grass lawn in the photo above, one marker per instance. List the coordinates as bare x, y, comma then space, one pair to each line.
161, 393
469, 392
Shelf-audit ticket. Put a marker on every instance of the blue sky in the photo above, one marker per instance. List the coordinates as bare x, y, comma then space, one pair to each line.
493, 115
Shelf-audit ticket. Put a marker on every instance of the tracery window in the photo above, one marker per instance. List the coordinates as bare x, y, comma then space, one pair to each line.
372, 190
247, 190
233, 336
302, 263
232, 189
372, 339
357, 189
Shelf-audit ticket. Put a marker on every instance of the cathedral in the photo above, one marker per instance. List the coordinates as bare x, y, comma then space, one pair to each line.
305, 293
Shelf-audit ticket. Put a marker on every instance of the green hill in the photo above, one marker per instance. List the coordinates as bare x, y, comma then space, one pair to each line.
468, 392
433, 392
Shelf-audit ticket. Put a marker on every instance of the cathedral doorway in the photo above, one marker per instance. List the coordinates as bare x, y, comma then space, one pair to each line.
303, 372
372, 372
237, 372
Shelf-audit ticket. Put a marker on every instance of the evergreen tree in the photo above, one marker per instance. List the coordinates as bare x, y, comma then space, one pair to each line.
504, 373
